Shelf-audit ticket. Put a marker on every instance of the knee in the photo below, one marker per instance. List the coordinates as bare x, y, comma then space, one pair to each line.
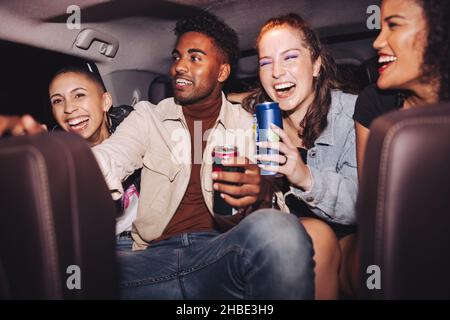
279, 247
279, 232
326, 246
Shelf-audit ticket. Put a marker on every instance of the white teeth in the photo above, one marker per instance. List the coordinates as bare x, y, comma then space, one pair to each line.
384, 59
76, 121
284, 85
183, 82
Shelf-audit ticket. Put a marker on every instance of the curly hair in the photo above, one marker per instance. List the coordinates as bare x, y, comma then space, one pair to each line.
225, 38
315, 120
436, 59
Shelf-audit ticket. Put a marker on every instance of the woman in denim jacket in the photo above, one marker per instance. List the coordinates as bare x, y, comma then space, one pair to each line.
317, 148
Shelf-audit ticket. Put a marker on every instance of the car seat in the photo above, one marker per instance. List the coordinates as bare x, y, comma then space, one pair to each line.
404, 206
160, 89
58, 220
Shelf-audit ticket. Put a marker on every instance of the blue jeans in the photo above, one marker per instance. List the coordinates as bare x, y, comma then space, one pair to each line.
124, 243
268, 255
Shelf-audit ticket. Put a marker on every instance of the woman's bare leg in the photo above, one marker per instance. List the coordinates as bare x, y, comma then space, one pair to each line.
327, 257
349, 270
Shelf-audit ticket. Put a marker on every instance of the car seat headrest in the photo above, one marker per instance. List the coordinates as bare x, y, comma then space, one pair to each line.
160, 89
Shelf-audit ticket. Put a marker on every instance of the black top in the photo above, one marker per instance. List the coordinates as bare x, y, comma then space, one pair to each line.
373, 102
118, 114
303, 154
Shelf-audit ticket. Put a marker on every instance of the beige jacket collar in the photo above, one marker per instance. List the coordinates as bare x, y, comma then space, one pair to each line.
174, 112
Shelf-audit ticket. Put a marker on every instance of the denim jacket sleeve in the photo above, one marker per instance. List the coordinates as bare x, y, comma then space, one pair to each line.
335, 185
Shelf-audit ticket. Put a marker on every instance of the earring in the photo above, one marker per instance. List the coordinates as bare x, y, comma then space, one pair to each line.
108, 122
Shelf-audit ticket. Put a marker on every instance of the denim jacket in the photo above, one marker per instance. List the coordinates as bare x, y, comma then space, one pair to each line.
332, 162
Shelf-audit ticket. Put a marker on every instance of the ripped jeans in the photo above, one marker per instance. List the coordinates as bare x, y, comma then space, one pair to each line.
268, 255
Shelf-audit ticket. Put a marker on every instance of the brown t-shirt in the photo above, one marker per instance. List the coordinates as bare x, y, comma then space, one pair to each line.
192, 214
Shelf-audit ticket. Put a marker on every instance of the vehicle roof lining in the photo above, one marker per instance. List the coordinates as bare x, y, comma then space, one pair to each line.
23, 21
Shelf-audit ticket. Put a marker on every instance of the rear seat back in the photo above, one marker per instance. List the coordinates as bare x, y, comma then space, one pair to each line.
160, 89
56, 215
404, 205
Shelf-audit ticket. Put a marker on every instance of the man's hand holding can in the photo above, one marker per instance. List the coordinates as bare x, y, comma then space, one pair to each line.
238, 189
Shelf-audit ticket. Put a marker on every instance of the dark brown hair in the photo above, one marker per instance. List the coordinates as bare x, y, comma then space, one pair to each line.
436, 62
81, 69
315, 120
225, 38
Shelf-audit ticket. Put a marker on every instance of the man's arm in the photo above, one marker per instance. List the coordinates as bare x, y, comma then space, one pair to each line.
121, 154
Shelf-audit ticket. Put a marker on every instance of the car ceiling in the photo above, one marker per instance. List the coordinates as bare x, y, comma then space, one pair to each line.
144, 28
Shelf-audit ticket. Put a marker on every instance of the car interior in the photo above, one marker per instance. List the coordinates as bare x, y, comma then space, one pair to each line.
402, 205
49, 216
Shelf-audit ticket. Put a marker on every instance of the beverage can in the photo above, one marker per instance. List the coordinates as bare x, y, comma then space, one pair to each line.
267, 113
219, 154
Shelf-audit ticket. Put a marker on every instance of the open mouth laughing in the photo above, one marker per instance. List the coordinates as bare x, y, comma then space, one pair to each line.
182, 83
385, 62
78, 124
284, 89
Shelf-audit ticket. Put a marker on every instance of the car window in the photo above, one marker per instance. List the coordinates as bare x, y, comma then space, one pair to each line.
26, 73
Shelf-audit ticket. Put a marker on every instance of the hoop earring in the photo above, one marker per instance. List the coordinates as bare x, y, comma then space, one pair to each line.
108, 122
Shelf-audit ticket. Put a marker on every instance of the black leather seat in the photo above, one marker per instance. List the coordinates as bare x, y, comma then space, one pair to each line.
404, 205
56, 213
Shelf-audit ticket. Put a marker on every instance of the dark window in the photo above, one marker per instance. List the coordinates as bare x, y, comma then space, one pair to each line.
26, 73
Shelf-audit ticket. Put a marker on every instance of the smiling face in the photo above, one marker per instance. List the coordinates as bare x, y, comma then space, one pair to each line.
198, 69
286, 69
401, 45
79, 105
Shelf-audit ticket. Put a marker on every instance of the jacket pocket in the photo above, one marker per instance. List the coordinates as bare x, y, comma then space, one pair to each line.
162, 165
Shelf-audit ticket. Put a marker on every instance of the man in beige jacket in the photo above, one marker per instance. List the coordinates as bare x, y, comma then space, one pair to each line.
178, 252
